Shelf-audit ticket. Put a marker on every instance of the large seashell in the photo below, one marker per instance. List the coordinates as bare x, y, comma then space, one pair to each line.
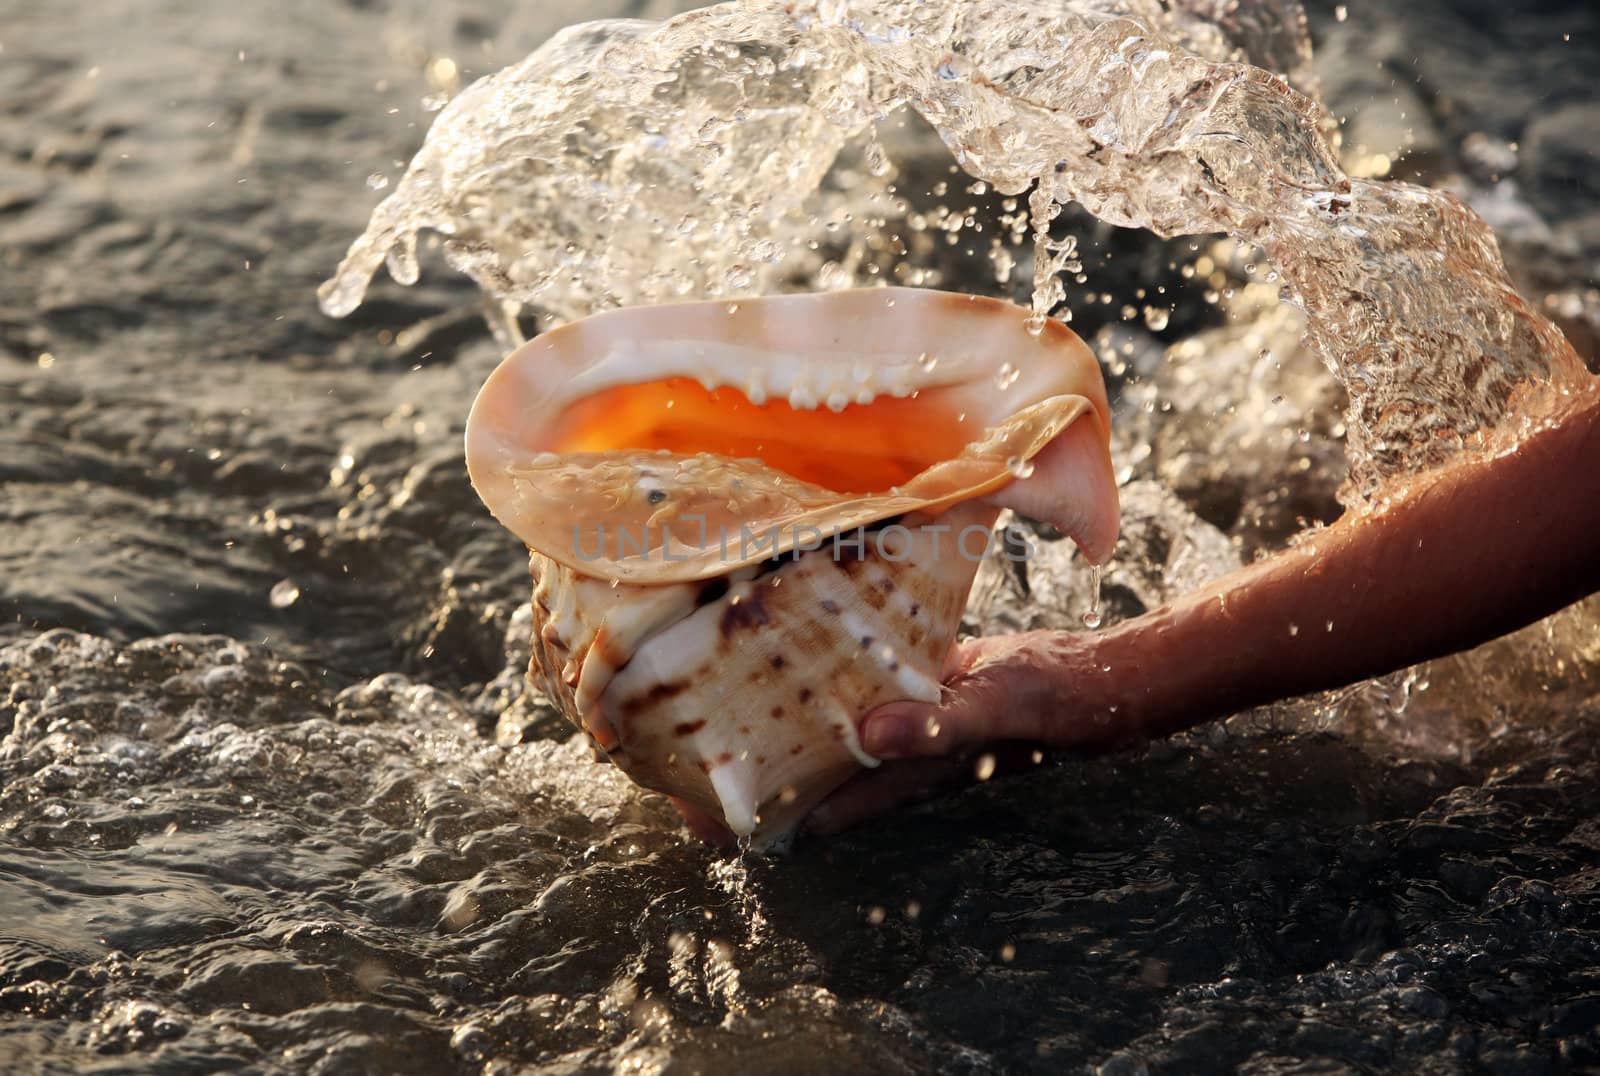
751, 522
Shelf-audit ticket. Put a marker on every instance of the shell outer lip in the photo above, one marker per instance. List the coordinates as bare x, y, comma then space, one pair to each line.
1062, 362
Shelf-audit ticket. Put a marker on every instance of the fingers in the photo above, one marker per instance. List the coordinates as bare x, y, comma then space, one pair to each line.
702, 825
873, 793
899, 783
917, 730
999, 690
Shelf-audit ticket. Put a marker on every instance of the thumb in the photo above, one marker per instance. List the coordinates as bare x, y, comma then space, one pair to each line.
977, 707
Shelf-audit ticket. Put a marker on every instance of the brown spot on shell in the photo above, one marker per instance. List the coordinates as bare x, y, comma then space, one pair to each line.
743, 615
830, 607
777, 711
797, 748
778, 661
849, 554
665, 690
688, 728
805, 694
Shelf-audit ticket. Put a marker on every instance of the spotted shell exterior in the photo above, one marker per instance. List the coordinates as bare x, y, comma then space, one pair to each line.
734, 678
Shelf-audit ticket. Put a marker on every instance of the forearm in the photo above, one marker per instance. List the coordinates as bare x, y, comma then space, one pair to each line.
1476, 549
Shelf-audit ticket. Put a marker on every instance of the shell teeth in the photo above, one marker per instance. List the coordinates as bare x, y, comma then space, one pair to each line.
734, 784
837, 401
756, 393
803, 398
840, 719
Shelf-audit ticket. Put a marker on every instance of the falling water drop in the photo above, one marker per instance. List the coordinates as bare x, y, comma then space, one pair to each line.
285, 592
877, 158
377, 181
1092, 618
1020, 467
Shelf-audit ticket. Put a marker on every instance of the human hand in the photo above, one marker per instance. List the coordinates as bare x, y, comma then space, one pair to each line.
1008, 694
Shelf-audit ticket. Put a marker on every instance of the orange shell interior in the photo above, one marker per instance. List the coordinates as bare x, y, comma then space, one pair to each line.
866, 448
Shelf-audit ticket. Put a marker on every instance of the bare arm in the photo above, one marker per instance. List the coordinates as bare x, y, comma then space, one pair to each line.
1459, 556
1475, 550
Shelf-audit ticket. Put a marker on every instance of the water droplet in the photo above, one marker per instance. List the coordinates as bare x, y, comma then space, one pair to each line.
877, 160
285, 592
928, 361
1007, 376
876, 915
1020, 467
377, 181
1092, 618
1156, 319
984, 768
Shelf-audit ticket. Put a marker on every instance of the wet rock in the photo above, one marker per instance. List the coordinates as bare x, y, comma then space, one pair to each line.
1558, 157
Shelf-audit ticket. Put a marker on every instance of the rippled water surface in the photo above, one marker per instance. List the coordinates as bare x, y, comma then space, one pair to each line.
272, 795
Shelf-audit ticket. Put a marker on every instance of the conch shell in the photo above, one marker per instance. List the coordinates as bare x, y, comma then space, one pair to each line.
751, 522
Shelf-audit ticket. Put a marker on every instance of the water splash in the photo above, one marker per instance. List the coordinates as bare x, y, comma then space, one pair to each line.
630, 161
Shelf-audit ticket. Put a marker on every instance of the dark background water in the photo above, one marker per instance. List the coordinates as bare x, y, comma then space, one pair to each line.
256, 637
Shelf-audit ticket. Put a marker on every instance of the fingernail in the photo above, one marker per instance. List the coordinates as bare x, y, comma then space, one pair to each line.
887, 734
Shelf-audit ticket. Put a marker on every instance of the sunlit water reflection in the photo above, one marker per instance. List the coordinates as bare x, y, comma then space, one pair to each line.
331, 832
